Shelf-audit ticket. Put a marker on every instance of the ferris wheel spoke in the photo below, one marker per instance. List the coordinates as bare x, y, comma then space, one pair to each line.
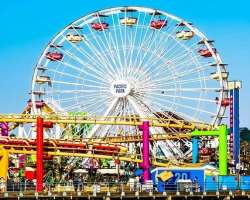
156, 106
66, 101
187, 54
155, 51
74, 91
124, 48
158, 57
116, 44
165, 51
88, 106
83, 52
66, 83
77, 59
114, 56
79, 105
152, 66
102, 79
143, 39
66, 74
108, 111
186, 64
62, 100
151, 42
159, 32
179, 49
184, 97
198, 110
102, 57
88, 80
88, 65
183, 81
155, 112
96, 105
109, 61
193, 80
133, 44
157, 88
186, 61
177, 44
116, 47
125, 42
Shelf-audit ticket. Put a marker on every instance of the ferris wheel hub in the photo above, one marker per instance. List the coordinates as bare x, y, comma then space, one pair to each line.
120, 88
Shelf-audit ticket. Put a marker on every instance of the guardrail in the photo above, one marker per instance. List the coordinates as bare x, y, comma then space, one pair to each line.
119, 187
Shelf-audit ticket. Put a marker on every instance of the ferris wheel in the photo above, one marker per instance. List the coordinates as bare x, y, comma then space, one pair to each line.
132, 61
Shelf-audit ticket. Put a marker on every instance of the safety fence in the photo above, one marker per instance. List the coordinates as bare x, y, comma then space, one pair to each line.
119, 187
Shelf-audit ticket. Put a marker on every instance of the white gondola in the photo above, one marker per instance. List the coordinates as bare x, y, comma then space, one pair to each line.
184, 35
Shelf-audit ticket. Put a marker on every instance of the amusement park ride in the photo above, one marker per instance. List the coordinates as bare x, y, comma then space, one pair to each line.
133, 86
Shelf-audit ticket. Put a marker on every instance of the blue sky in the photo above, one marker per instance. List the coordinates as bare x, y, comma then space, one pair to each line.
27, 26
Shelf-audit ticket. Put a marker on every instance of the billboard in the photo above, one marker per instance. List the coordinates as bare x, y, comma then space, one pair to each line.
196, 176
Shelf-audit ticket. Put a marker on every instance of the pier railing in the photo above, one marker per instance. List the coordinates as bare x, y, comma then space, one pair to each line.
119, 187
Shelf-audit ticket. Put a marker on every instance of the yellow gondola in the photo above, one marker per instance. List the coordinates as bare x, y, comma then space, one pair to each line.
43, 79
74, 38
184, 35
128, 21
217, 76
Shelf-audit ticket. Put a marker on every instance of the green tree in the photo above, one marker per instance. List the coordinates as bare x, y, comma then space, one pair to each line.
245, 134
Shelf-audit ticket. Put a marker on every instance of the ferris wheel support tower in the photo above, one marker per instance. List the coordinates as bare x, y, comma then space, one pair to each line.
234, 88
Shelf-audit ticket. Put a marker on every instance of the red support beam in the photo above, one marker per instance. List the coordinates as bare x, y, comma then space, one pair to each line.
39, 155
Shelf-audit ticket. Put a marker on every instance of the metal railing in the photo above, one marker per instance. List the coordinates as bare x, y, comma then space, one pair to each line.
120, 187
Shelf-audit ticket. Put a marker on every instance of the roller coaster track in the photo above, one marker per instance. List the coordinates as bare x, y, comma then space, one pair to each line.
108, 120
28, 147
138, 138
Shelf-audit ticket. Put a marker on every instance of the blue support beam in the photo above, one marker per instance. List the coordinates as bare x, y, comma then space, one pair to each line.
236, 127
195, 149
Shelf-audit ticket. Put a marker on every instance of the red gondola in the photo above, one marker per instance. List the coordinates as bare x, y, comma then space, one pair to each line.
158, 24
206, 52
54, 56
39, 104
224, 102
100, 26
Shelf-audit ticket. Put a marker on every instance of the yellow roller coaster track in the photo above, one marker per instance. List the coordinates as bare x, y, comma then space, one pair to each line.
138, 138
107, 120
